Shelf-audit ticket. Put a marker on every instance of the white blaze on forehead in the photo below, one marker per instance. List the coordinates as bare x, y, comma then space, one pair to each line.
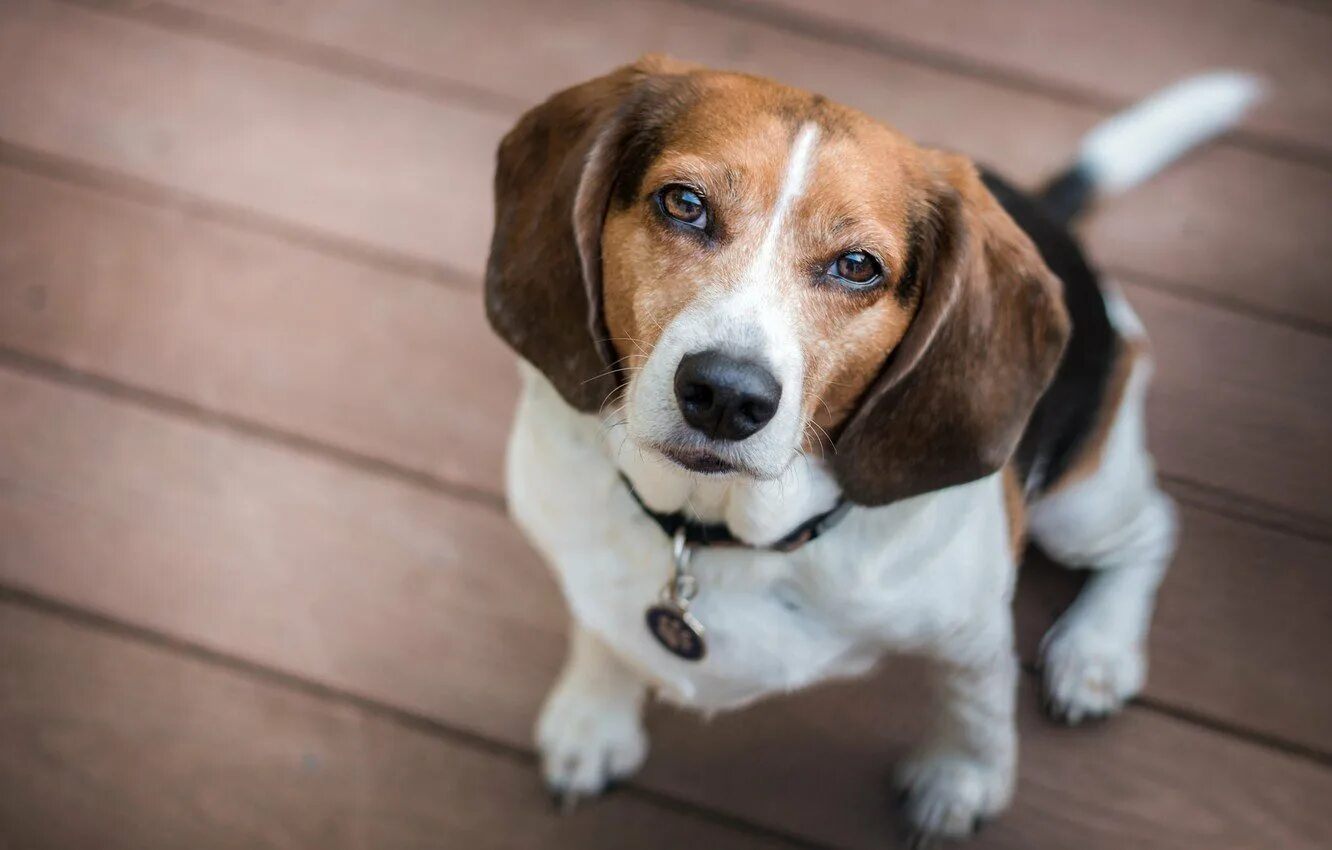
793, 184
745, 321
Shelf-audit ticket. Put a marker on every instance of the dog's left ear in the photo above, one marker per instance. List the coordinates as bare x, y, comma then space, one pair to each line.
557, 171
954, 397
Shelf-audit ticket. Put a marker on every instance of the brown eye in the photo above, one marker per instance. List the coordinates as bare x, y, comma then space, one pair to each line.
857, 269
684, 205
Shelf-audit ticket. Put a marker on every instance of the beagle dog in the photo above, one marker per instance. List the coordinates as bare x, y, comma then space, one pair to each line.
795, 392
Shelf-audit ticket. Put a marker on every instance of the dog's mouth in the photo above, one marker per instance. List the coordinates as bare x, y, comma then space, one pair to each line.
697, 460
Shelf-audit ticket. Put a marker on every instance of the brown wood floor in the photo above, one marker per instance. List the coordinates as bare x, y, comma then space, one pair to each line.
257, 587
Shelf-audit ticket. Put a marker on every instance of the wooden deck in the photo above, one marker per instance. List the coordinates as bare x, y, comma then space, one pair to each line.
257, 587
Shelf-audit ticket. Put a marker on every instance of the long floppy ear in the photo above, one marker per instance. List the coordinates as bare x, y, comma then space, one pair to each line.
956, 394
556, 173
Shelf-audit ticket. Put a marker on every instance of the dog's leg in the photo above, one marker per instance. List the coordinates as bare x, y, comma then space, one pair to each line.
590, 732
964, 773
1117, 522
1094, 657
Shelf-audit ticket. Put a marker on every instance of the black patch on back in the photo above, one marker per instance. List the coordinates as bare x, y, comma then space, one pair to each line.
1067, 194
1067, 413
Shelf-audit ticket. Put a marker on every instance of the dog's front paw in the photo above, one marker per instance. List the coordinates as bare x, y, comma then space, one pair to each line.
588, 740
950, 796
1089, 672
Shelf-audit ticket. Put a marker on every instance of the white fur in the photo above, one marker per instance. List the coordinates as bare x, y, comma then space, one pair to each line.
1135, 144
763, 267
1118, 523
748, 319
933, 574
591, 727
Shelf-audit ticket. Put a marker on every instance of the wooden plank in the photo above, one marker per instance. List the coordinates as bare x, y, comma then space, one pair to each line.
195, 115
336, 155
369, 360
1113, 51
1237, 602
820, 760
106, 742
259, 548
1239, 404
405, 371
143, 748
433, 605
1024, 134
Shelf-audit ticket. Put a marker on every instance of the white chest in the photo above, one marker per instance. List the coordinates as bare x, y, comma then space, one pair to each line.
895, 577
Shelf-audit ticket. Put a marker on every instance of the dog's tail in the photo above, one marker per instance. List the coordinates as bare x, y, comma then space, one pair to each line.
1130, 147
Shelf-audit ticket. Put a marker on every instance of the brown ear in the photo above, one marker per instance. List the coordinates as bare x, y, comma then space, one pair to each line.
954, 397
557, 171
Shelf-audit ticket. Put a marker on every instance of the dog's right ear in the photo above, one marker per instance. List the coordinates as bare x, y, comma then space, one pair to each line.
558, 170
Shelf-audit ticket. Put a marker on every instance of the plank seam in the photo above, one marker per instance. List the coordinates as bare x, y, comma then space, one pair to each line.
335, 60
835, 32
209, 418
191, 22
1314, 7
161, 196
1218, 300
1247, 509
406, 718
1193, 718
127, 187
167, 405
197, 414
398, 716
1266, 516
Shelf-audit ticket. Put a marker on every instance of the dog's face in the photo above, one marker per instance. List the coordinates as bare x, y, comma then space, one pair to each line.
745, 271
758, 275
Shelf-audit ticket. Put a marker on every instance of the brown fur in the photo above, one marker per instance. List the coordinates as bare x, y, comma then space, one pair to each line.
1015, 509
553, 181
861, 191
923, 383
983, 346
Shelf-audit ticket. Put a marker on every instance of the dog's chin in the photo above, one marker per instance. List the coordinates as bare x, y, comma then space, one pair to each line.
698, 461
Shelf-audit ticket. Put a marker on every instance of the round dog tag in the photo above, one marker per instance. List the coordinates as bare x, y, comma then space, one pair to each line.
677, 630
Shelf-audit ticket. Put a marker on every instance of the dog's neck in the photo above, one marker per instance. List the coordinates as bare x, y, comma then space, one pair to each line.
758, 512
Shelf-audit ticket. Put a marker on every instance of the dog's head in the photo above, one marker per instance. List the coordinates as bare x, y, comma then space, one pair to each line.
762, 272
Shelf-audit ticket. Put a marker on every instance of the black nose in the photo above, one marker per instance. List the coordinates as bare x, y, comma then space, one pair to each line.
725, 398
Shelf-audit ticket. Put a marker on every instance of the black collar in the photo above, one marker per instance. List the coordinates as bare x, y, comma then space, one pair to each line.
717, 534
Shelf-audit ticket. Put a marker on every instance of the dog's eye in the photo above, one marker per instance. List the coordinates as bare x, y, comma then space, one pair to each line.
857, 269
684, 205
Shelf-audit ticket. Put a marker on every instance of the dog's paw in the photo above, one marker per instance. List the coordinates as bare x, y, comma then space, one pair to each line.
1088, 672
588, 741
947, 796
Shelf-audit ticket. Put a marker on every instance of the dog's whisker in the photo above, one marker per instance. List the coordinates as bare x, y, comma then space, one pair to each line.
639, 345
609, 372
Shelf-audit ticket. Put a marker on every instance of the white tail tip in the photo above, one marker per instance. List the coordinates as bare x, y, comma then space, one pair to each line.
1135, 144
